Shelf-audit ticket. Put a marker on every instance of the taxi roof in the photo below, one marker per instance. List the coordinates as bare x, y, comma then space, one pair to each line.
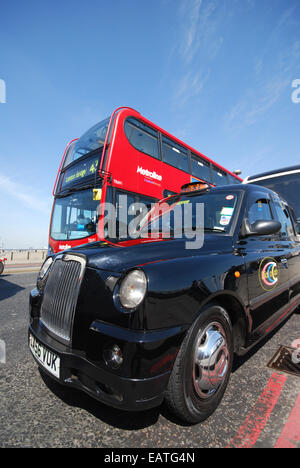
233, 187
246, 188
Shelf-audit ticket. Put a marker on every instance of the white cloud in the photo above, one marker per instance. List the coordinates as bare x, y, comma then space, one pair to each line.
2, 92
254, 157
190, 86
274, 69
255, 103
198, 42
200, 29
25, 195
190, 13
24, 214
286, 57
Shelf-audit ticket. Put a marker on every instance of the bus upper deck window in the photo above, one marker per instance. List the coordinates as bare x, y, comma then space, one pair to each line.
142, 137
175, 155
200, 168
220, 177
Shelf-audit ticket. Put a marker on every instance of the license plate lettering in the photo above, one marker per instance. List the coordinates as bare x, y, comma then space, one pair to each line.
49, 360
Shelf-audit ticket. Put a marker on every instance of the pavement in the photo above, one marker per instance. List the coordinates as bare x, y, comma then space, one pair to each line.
22, 267
261, 408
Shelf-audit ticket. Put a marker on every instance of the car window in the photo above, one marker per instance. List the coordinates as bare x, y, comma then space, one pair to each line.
284, 218
294, 219
260, 211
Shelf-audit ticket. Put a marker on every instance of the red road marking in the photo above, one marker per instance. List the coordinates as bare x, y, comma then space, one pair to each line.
280, 318
291, 432
253, 425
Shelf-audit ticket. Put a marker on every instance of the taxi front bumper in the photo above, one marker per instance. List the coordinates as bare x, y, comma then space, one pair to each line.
111, 389
104, 384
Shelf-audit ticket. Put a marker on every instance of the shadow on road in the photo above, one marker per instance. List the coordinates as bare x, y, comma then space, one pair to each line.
240, 360
7, 288
128, 420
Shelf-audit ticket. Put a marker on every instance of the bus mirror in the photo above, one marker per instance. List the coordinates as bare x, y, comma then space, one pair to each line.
298, 226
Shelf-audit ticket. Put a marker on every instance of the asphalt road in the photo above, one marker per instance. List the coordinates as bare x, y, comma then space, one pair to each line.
259, 407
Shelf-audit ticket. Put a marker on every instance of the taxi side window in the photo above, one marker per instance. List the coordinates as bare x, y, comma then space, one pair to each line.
259, 211
294, 219
284, 218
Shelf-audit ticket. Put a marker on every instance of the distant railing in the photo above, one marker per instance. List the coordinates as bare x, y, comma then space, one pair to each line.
20, 256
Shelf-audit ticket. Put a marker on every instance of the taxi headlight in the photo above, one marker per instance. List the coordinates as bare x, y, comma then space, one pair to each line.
45, 267
133, 289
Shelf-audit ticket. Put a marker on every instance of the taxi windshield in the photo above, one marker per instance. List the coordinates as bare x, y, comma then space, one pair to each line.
211, 211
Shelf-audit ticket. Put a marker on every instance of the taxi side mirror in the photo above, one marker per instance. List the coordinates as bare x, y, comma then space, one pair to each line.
260, 228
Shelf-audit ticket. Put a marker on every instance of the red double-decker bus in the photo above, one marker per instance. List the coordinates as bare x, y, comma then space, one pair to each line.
125, 154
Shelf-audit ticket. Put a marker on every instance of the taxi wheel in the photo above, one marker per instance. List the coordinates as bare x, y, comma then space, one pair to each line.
1, 268
202, 368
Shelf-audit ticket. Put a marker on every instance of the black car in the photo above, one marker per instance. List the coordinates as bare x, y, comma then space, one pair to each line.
139, 322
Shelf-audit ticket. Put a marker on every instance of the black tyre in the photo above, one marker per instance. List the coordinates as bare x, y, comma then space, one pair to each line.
1, 268
202, 368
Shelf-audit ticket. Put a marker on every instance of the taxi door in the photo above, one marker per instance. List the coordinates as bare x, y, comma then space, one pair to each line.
267, 261
289, 233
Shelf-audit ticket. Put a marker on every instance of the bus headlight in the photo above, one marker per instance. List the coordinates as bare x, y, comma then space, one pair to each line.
133, 289
45, 267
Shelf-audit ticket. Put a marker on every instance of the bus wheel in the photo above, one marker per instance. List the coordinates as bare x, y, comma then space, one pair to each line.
1, 268
202, 368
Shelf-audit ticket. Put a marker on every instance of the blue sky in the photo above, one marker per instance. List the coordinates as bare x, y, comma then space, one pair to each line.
218, 74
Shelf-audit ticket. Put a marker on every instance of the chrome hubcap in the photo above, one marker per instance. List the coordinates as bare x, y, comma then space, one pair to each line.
211, 360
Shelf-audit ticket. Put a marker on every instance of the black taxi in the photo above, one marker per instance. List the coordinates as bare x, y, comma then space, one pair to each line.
158, 318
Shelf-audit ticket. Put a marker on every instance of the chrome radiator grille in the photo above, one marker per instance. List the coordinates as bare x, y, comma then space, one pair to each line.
61, 294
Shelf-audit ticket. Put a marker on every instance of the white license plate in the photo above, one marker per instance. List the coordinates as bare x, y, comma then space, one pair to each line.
49, 360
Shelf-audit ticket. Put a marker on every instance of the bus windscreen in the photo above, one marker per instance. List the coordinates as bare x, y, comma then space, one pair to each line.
90, 141
287, 186
75, 216
80, 172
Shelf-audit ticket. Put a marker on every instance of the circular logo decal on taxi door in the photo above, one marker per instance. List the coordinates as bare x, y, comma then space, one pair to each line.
268, 274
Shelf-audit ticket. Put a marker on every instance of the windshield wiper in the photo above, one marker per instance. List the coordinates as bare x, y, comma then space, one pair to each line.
207, 229
214, 229
74, 189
